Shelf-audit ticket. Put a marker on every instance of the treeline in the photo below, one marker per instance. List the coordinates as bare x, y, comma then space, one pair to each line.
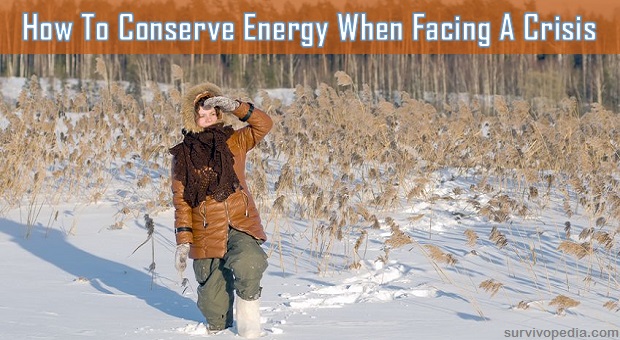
587, 78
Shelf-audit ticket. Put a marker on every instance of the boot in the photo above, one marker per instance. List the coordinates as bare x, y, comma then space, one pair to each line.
248, 318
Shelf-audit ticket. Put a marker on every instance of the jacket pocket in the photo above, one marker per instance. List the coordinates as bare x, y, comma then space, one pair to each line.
237, 207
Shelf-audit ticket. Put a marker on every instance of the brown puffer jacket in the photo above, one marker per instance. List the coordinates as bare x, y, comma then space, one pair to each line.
209, 222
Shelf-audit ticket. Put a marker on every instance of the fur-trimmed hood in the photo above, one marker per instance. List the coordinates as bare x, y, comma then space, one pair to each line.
193, 95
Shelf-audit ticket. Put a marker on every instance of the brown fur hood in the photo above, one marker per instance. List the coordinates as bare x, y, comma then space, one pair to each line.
192, 96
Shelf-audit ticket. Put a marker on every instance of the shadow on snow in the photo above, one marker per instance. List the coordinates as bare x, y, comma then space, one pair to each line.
52, 246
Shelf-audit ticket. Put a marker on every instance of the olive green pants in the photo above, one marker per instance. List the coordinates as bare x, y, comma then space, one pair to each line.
240, 270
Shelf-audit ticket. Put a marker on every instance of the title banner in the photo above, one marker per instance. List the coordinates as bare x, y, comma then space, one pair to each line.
336, 27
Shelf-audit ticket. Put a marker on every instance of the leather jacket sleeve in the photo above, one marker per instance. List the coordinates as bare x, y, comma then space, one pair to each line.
182, 211
259, 124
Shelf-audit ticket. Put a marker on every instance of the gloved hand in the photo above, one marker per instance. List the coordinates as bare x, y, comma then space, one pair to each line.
224, 103
180, 257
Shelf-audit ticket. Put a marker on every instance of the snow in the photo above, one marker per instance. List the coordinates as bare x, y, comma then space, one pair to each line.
77, 277
71, 275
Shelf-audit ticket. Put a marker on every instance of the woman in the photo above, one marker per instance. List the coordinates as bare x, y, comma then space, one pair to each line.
216, 220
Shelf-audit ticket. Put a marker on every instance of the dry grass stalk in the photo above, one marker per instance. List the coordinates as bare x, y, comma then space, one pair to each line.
398, 238
363, 212
472, 237
436, 254
375, 223
285, 180
278, 204
586, 233
579, 250
523, 305
498, 238
177, 72
418, 190
567, 229
358, 243
101, 68
385, 256
604, 239
562, 303
415, 217
491, 286
612, 305
343, 79
566, 205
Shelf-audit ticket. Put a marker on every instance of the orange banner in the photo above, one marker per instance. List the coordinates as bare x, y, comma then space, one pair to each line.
331, 27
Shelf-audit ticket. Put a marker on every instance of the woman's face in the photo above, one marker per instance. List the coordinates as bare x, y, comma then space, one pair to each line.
205, 117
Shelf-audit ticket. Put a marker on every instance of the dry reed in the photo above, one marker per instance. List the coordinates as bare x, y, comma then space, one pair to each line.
398, 238
579, 250
491, 286
472, 237
562, 303
438, 255
498, 238
339, 158
612, 306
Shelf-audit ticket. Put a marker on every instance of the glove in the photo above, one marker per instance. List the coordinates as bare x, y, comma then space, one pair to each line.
180, 257
224, 103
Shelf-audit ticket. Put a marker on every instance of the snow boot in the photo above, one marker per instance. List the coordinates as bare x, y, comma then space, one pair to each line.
248, 318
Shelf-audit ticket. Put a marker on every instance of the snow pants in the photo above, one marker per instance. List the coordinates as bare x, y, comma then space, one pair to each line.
240, 270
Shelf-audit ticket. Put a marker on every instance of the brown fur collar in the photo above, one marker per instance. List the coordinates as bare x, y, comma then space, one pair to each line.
191, 97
